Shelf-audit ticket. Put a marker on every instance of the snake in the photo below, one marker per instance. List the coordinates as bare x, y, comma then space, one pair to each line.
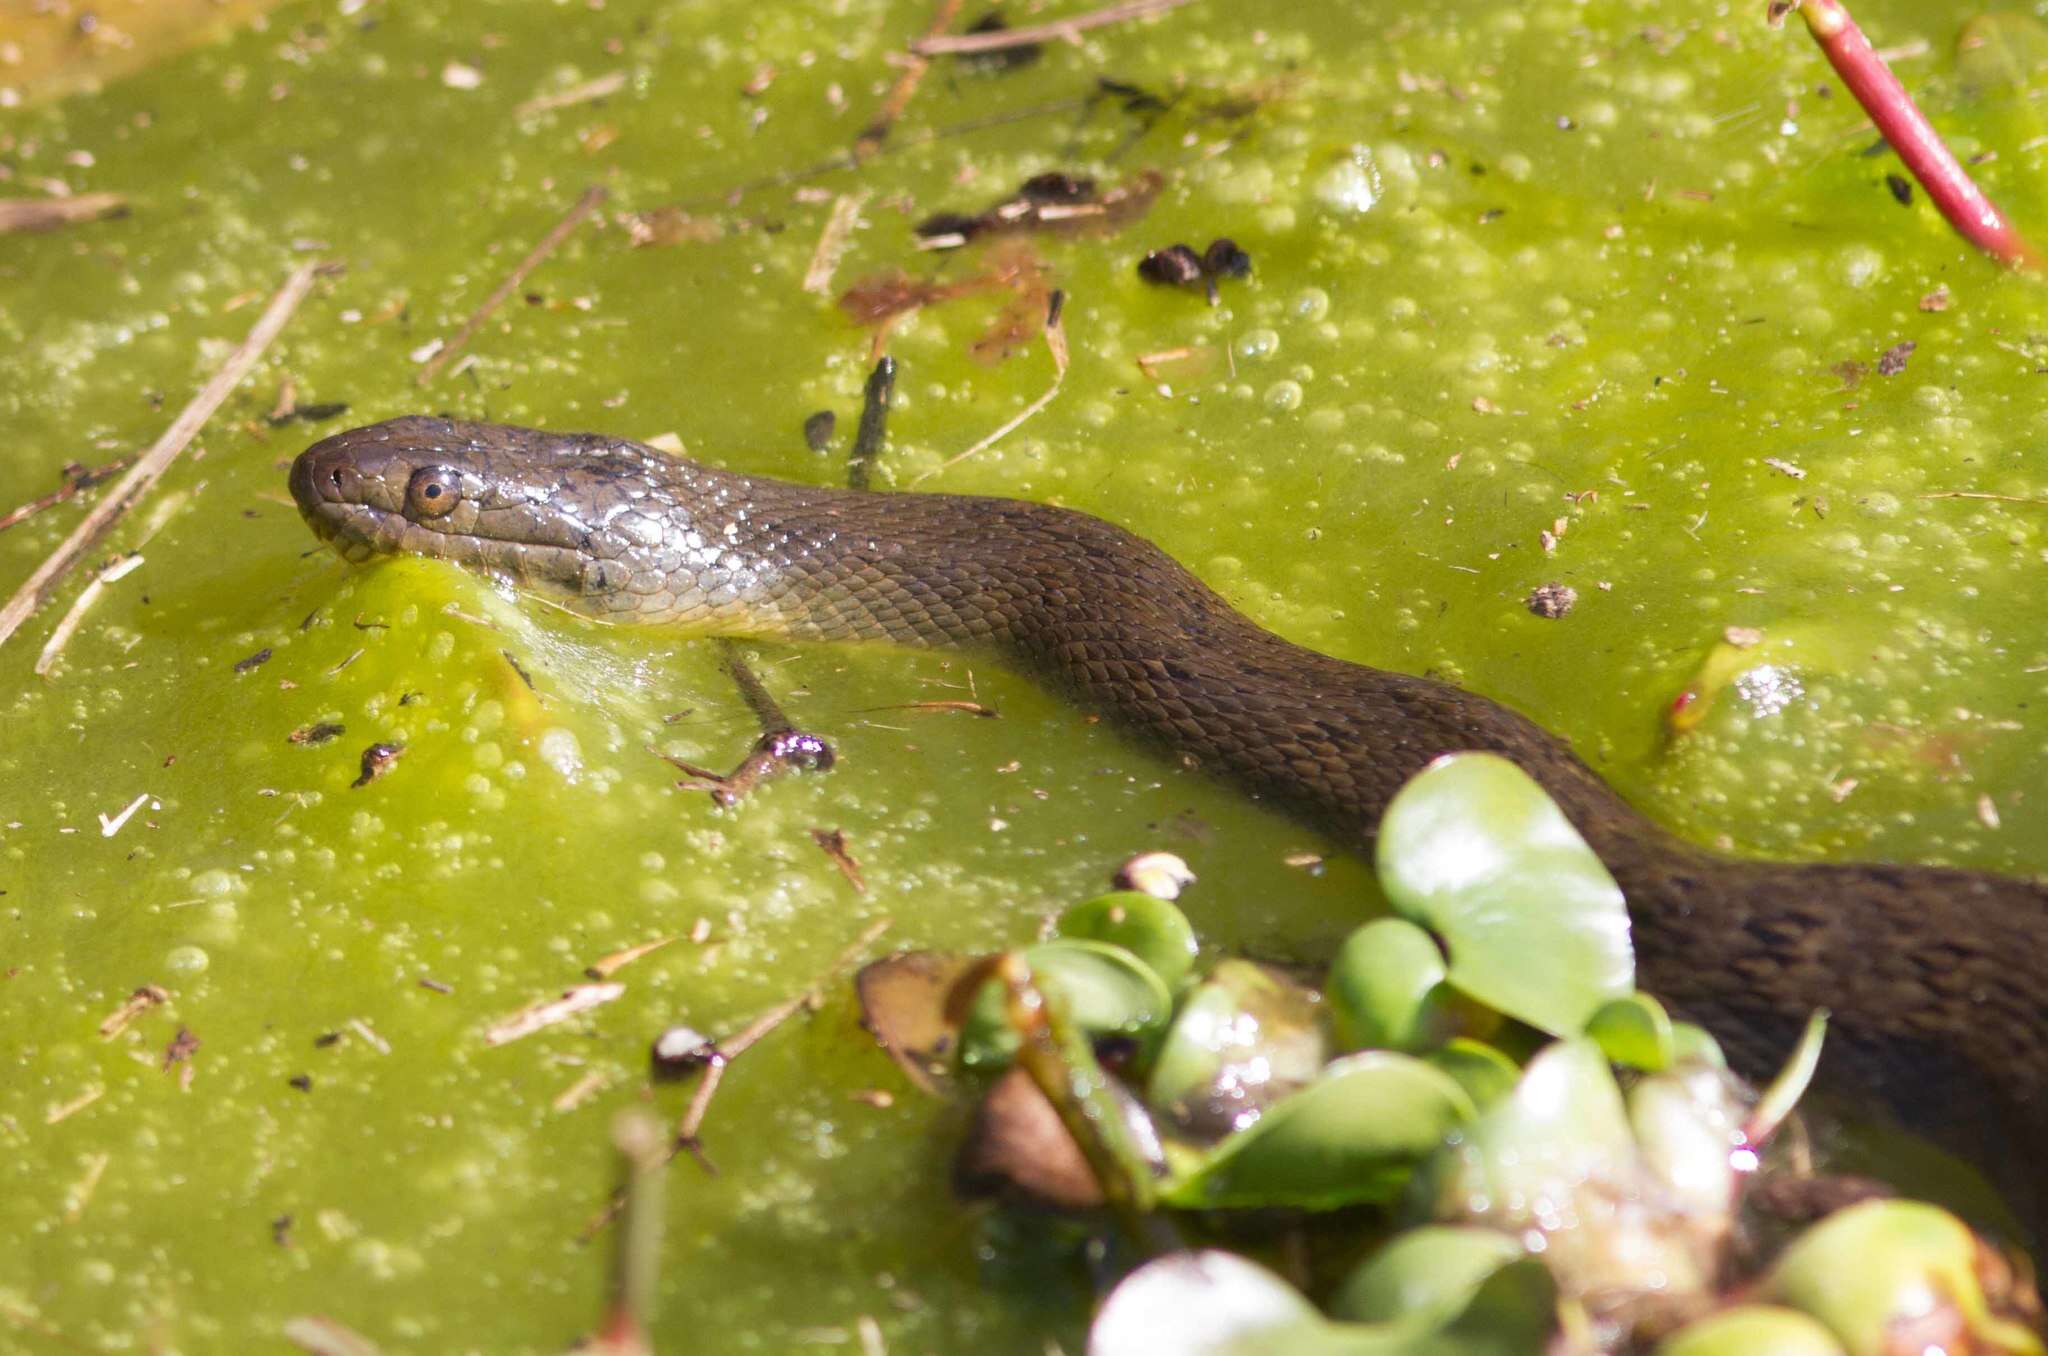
1936, 977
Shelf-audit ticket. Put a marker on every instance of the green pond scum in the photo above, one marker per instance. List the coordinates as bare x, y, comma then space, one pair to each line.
1610, 295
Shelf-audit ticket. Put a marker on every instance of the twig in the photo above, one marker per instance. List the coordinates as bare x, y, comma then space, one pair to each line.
1906, 129
1056, 344
685, 1138
535, 1016
898, 98
143, 476
549, 243
752, 1032
77, 479
61, 635
587, 92
874, 423
636, 1266
832, 242
47, 214
962, 44
1982, 494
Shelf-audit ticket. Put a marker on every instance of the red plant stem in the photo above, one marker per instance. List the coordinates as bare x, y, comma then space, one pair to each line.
1909, 133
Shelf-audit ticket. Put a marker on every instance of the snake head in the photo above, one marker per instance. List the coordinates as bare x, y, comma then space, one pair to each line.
568, 514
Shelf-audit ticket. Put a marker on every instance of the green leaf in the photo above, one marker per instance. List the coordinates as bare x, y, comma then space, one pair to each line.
1633, 1030
1150, 928
1219, 1304
1244, 1038
1381, 985
1104, 990
1866, 1270
1558, 1150
1473, 849
1752, 1330
1790, 1085
1693, 1045
1205, 1304
1429, 1273
1483, 1072
1355, 1134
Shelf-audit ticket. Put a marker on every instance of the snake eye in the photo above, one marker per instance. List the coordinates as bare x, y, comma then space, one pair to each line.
432, 492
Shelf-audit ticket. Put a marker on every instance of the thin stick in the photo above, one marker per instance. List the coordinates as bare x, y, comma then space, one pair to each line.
143, 476
1982, 494
876, 132
961, 44
87, 596
752, 1032
685, 1138
549, 243
77, 479
1056, 343
1906, 129
47, 214
832, 242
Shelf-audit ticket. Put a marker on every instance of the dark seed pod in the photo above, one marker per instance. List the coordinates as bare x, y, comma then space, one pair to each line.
1174, 266
1223, 259
1056, 187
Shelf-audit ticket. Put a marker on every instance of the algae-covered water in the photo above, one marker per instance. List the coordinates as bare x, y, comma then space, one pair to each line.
1596, 294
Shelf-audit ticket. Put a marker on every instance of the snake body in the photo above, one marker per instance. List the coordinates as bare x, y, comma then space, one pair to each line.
1937, 978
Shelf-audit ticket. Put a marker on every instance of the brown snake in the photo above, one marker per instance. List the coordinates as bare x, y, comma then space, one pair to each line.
1937, 978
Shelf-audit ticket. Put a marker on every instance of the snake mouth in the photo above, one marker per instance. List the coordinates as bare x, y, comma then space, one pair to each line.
334, 499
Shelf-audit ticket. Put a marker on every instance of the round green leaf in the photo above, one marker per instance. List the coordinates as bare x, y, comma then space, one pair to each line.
1355, 1134
1244, 1038
1472, 849
1633, 1030
1483, 1072
1867, 1269
1692, 1045
1104, 990
1150, 928
1428, 1273
1752, 1330
1380, 987
1202, 1304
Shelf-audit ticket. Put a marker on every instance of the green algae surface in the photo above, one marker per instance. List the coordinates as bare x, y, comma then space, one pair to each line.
1590, 294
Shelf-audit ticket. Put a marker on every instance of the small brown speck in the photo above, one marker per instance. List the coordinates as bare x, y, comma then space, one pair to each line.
315, 734
254, 661
1551, 601
1901, 187
182, 1047
1937, 300
1894, 360
303, 1082
377, 760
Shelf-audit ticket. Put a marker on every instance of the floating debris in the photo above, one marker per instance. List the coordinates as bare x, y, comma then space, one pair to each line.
254, 661
377, 760
137, 1003
1552, 601
318, 733
606, 967
682, 1049
1161, 875
1179, 266
538, 1016
1054, 201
